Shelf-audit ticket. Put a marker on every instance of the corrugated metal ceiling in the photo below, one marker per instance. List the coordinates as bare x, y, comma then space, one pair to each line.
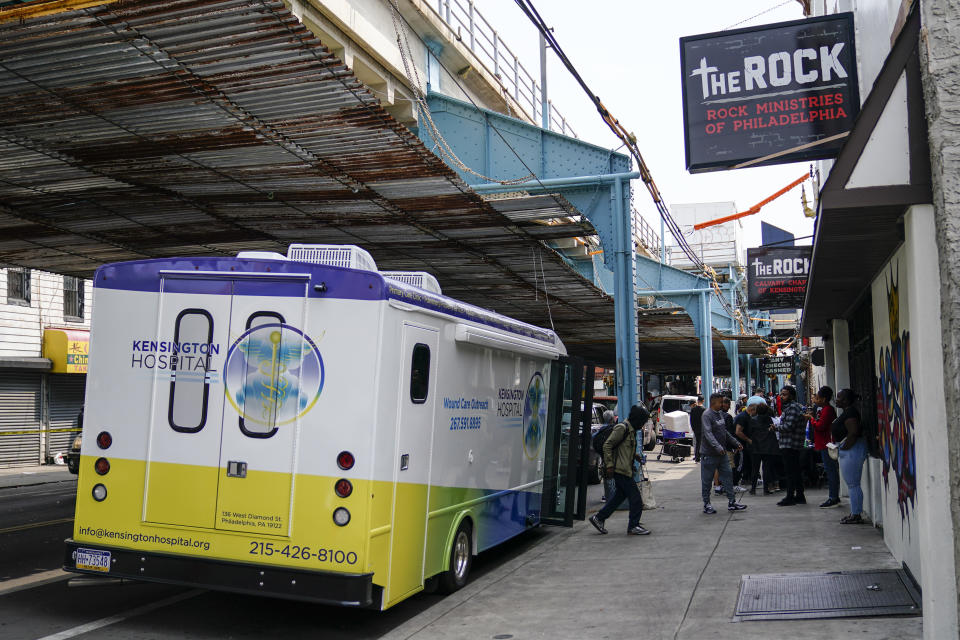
198, 127
668, 343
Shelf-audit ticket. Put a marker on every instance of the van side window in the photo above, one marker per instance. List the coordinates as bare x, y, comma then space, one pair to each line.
189, 363
268, 427
420, 373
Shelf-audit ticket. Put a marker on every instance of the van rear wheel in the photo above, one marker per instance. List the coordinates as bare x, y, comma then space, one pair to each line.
461, 559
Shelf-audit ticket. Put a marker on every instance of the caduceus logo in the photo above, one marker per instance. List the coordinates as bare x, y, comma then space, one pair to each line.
534, 416
273, 374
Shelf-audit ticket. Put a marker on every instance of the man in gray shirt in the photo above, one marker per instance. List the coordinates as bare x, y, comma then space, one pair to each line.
715, 442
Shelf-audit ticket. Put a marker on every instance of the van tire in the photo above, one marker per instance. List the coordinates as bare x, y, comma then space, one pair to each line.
461, 559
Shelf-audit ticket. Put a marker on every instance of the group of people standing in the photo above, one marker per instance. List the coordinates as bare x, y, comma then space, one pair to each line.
771, 445
771, 438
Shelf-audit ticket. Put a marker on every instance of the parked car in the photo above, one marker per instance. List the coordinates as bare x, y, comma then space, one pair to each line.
595, 460
595, 468
73, 456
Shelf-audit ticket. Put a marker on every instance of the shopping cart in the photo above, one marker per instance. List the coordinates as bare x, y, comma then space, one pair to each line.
676, 438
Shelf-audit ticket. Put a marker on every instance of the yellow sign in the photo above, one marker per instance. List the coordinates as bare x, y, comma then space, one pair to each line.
67, 349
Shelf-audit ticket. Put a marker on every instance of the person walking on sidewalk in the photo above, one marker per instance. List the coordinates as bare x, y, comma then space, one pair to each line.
821, 423
713, 455
792, 429
619, 454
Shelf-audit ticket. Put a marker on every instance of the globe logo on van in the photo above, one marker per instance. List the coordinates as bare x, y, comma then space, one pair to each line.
534, 416
273, 374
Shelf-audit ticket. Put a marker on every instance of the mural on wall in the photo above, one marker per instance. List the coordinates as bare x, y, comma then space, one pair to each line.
895, 405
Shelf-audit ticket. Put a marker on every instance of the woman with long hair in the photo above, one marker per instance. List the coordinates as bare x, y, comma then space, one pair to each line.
847, 429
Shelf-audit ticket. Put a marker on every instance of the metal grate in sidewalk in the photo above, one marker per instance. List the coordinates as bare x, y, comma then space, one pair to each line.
795, 596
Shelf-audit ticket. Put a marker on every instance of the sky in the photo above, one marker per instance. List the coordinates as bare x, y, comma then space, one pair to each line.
628, 52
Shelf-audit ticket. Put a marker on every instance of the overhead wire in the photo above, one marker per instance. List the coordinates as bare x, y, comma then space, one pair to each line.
420, 100
764, 12
400, 25
630, 141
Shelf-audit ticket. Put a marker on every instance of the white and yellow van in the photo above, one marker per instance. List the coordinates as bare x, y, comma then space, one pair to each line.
305, 426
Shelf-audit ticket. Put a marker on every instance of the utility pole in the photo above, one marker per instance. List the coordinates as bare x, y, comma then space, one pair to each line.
544, 103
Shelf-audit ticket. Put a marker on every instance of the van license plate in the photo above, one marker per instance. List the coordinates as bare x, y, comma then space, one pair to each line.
93, 560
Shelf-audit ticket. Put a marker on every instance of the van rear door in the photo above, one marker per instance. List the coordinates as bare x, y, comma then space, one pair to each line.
567, 442
226, 409
272, 376
193, 329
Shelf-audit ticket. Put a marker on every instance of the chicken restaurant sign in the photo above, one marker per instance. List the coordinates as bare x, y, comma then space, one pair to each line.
769, 95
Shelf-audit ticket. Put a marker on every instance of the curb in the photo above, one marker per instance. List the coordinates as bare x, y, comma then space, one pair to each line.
20, 483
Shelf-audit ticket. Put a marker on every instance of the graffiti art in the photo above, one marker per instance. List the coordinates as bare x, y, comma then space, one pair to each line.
895, 406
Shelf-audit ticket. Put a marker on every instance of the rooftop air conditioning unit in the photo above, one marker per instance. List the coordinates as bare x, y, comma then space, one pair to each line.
335, 255
260, 255
420, 279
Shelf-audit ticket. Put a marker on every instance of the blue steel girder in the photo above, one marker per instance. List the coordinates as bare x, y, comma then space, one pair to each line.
654, 277
505, 148
697, 297
593, 179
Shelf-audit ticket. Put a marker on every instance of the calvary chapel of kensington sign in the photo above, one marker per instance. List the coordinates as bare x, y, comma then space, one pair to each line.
769, 95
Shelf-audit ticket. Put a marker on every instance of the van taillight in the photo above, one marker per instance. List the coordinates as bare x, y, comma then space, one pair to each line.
343, 488
104, 440
99, 492
345, 460
101, 466
341, 517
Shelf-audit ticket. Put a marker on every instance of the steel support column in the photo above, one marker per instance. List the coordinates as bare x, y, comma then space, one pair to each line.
733, 354
697, 302
705, 333
624, 301
747, 367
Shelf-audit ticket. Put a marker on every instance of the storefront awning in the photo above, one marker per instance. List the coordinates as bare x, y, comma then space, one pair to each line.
67, 349
882, 170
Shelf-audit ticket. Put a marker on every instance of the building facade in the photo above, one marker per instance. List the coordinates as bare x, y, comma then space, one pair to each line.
883, 289
44, 335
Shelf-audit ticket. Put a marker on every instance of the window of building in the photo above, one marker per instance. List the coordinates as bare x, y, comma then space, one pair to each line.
190, 388
420, 373
18, 286
73, 294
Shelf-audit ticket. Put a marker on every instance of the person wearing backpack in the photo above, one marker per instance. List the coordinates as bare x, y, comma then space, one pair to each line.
609, 422
619, 455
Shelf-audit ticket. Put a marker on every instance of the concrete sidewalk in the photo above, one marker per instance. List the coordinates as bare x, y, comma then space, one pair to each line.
39, 474
680, 582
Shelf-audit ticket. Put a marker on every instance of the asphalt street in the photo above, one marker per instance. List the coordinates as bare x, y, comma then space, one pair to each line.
35, 520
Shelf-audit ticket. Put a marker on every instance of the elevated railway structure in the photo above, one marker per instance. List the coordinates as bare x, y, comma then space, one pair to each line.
137, 129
